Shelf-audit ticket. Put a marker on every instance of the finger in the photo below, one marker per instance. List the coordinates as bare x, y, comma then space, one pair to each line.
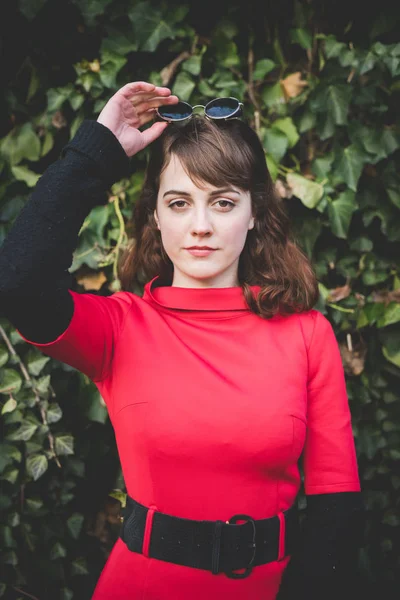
152, 133
137, 99
147, 116
141, 97
135, 87
162, 91
140, 87
155, 103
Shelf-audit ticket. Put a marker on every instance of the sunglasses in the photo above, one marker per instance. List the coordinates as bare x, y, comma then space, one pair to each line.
220, 108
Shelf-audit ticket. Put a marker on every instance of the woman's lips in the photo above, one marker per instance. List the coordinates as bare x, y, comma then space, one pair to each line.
196, 252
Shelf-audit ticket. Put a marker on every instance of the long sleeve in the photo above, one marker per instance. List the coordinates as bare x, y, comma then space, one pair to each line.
38, 250
324, 564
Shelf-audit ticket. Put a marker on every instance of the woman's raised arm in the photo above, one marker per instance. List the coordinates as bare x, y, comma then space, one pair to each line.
38, 250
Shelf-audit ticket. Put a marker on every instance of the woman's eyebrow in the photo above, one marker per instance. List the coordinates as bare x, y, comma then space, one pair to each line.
211, 194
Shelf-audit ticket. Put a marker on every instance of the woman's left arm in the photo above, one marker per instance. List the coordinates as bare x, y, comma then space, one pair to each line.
325, 562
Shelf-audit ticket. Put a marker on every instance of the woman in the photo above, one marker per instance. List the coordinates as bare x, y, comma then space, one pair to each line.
217, 380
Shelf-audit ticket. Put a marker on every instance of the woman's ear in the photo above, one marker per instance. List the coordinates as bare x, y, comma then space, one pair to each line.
156, 218
252, 223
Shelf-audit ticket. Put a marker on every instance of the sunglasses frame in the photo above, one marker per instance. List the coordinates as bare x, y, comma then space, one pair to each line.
232, 116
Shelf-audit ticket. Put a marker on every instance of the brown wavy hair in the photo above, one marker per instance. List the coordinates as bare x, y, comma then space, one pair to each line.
224, 153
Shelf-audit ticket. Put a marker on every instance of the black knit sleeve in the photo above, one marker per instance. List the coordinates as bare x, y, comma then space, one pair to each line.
38, 250
324, 563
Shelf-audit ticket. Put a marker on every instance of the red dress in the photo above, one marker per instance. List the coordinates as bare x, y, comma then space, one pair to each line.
212, 407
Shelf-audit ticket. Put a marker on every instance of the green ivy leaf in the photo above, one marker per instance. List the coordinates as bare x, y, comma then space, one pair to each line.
10, 381
275, 143
325, 126
4, 356
76, 101
118, 40
183, 86
54, 413
349, 166
9, 406
30, 8
193, 64
74, 524
391, 347
149, 26
47, 143
273, 95
262, 68
287, 127
64, 445
309, 192
307, 121
91, 9
322, 166
8, 453
367, 62
36, 465
338, 100
34, 504
42, 385
120, 496
57, 551
332, 46
390, 316
273, 167
21, 143
340, 212
79, 567
96, 409
226, 52
307, 230
111, 64
35, 361
10, 474
24, 432
57, 96
302, 37
205, 89
24, 174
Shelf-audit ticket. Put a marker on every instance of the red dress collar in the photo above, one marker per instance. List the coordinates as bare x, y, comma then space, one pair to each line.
227, 298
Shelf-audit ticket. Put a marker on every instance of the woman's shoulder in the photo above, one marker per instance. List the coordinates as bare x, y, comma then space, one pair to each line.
314, 325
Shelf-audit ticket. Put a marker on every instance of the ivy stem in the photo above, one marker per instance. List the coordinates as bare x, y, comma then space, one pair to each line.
24, 593
37, 397
121, 235
250, 90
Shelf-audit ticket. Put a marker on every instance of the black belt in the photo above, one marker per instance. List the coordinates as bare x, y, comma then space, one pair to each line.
217, 546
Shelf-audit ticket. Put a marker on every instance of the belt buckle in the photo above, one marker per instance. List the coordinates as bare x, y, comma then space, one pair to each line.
252, 544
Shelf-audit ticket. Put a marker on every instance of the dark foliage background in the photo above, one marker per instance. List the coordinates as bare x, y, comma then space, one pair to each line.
320, 83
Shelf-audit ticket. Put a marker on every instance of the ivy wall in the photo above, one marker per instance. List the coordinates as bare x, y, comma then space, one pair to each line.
320, 84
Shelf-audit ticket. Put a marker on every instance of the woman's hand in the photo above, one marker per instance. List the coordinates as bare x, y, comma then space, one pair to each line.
132, 106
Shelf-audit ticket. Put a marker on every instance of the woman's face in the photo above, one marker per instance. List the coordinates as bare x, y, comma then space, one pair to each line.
188, 215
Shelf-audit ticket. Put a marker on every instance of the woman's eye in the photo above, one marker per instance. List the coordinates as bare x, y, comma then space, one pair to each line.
180, 204
176, 203
227, 203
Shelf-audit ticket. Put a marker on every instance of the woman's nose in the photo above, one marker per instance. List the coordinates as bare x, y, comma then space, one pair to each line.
201, 222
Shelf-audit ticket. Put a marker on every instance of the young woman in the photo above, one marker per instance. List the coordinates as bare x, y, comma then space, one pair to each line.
217, 380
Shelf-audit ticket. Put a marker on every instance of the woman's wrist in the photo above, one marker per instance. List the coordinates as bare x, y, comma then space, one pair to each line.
98, 143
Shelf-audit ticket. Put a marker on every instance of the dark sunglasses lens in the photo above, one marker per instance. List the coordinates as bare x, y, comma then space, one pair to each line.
222, 107
181, 110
